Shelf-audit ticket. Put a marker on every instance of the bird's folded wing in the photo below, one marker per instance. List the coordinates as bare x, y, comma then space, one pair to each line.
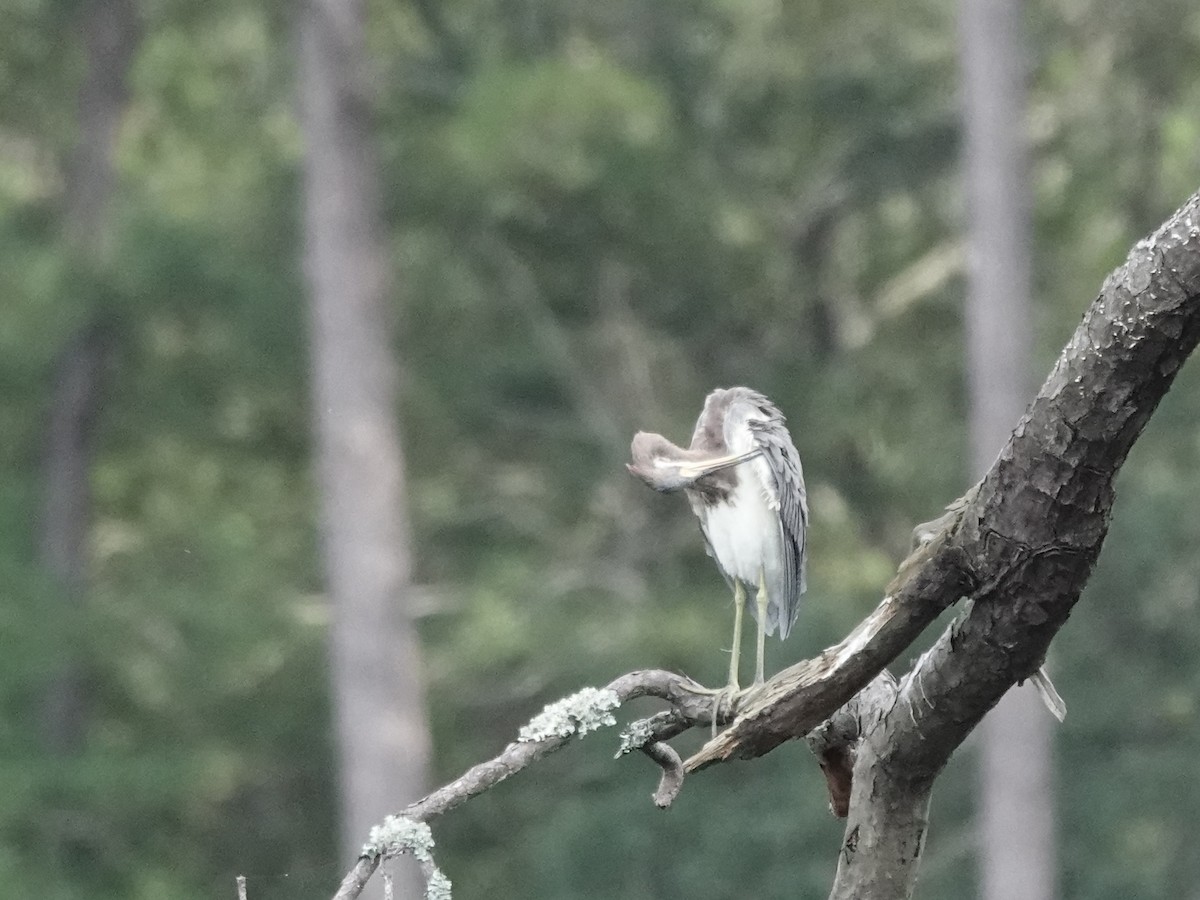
781, 458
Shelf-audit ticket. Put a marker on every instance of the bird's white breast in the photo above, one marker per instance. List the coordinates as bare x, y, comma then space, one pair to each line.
744, 531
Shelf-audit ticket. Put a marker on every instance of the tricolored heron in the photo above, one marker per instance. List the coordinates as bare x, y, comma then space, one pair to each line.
743, 479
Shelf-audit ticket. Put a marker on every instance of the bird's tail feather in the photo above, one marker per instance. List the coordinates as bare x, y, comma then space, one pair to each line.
775, 618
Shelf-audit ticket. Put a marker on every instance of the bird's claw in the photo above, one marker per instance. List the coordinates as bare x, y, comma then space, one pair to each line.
730, 691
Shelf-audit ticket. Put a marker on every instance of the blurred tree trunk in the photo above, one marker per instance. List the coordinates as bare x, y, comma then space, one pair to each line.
1016, 813
110, 32
63, 531
382, 732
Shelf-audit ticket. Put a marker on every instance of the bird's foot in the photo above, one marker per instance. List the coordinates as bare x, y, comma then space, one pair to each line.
723, 698
727, 695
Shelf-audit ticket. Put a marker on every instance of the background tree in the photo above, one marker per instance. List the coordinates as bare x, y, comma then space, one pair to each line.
1017, 837
599, 213
383, 738
109, 32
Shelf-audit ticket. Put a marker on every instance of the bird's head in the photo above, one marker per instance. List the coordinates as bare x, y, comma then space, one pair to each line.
658, 462
666, 467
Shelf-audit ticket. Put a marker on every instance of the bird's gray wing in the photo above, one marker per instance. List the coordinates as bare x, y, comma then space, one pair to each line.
778, 451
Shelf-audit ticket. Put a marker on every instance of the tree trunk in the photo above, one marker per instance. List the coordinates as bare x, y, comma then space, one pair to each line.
885, 833
1016, 550
110, 31
63, 528
382, 733
1016, 813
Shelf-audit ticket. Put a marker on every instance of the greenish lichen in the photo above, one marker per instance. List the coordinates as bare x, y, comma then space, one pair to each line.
587, 710
635, 737
438, 887
400, 834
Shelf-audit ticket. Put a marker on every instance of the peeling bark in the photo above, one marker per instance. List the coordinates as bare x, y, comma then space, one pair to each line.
836, 741
1026, 538
885, 834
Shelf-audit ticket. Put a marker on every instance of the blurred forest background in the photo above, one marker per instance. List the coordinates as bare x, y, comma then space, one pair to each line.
596, 212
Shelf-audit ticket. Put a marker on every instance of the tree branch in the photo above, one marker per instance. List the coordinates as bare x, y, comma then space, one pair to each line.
672, 777
1026, 538
1030, 538
835, 741
691, 705
1020, 545
802, 696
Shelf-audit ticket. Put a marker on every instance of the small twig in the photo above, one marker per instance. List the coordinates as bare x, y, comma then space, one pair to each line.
241, 887
649, 736
672, 777
659, 727
692, 705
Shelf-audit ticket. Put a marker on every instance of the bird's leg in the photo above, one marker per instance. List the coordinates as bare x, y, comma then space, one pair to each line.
761, 600
739, 604
732, 689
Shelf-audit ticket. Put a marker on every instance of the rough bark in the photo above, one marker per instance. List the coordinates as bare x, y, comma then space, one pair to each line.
1016, 799
836, 741
1020, 546
380, 720
1026, 537
885, 833
1032, 532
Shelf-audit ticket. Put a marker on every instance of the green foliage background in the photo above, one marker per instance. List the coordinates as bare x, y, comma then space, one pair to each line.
597, 212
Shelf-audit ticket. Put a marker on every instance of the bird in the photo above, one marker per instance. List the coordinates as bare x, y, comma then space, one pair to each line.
743, 479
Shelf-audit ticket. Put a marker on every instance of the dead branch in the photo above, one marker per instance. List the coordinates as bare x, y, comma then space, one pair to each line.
1020, 545
691, 705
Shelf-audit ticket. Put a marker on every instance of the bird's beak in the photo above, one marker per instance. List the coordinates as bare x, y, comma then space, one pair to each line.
707, 466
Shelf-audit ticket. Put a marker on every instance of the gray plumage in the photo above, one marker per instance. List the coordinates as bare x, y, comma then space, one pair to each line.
737, 420
743, 479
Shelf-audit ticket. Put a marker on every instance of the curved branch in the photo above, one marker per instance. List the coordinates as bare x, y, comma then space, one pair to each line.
672, 776
1025, 539
1020, 545
1042, 512
802, 696
692, 705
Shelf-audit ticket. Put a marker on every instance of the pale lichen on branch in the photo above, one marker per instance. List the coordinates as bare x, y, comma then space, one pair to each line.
1131, 343
634, 737
438, 886
400, 834
587, 710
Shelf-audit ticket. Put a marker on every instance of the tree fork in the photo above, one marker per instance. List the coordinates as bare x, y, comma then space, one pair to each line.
1020, 546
